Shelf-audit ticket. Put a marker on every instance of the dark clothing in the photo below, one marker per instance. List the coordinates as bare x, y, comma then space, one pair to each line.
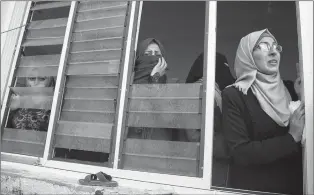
290, 86
29, 119
223, 75
265, 158
143, 68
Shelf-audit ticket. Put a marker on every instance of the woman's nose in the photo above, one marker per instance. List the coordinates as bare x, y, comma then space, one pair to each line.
36, 81
272, 52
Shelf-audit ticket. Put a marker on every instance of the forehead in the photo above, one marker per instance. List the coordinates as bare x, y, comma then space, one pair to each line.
267, 40
152, 47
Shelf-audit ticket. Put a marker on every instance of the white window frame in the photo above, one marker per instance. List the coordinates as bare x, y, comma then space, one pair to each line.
305, 21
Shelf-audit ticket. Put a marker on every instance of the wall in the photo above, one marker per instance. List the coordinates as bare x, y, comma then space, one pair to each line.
11, 37
6, 14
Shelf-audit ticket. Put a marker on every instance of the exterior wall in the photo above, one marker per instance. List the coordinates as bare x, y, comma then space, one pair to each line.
9, 39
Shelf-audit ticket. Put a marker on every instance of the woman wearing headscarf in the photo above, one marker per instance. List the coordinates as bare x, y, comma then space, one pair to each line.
31, 118
150, 67
223, 78
262, 136
150, 64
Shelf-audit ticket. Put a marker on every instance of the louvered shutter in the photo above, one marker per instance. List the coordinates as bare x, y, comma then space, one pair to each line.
39, 55
87, 112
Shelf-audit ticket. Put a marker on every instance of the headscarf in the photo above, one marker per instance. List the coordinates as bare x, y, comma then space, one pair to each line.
145, 64
223, 75
269, 90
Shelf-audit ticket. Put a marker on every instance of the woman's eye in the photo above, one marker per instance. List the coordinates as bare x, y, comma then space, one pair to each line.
32, 78
41, 78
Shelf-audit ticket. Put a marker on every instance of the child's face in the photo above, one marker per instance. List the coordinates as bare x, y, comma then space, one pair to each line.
37, 81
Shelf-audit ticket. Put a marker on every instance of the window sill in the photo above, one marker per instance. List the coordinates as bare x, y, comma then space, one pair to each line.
32, 179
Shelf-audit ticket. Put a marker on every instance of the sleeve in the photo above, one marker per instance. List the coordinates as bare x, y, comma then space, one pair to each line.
243, 150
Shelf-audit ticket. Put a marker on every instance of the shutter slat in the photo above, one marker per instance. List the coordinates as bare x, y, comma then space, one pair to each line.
102, 13
99, 44
95, 56
37, 71
51, 5
92, 81
98, 34
52, 23
166, 90
95, 68
162, 148
35, 102
87, 116
44, 33
79, 129
99, 23
160, 165
32, 91
90, 5
94, 105
41, 60
165, 120
26, 142
91, 93
165, 105
82, 143
42, 42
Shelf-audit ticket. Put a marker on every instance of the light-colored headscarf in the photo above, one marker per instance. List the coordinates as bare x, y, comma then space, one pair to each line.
269, 90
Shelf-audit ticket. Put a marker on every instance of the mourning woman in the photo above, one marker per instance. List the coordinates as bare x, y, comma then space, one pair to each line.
262, 136
150, 68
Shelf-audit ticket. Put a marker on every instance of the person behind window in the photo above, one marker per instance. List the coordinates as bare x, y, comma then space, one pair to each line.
150, 67
262, 136
150, 64
223, 78
31, 118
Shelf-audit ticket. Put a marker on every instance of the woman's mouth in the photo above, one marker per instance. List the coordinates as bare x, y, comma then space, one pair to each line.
273, 62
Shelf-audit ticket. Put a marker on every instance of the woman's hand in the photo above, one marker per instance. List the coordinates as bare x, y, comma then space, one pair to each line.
15, 101
298, 87
160, 67
297, 121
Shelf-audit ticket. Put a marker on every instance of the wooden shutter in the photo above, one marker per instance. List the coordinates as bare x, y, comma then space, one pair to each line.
87, 116
166, 106
38, 53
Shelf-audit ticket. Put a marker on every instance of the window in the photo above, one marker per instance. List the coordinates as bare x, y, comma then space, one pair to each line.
158, 112
32, 87
96, 103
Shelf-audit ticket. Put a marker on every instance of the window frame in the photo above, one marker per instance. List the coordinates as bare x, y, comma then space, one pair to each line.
203, 182
305, 48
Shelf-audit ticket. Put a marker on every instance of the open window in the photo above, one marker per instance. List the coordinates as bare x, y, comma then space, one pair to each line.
26, 115
159, 112
234, 21
89, 48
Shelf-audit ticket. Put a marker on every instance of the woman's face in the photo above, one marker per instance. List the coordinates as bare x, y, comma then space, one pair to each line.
152, 50
267, 62
38, 81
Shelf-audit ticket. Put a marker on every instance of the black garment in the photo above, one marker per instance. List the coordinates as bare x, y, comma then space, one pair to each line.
268, 160
290, 86
223, 75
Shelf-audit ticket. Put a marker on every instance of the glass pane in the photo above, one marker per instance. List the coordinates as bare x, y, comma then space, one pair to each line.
86, 121
33, 88
265, 155
164, 105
